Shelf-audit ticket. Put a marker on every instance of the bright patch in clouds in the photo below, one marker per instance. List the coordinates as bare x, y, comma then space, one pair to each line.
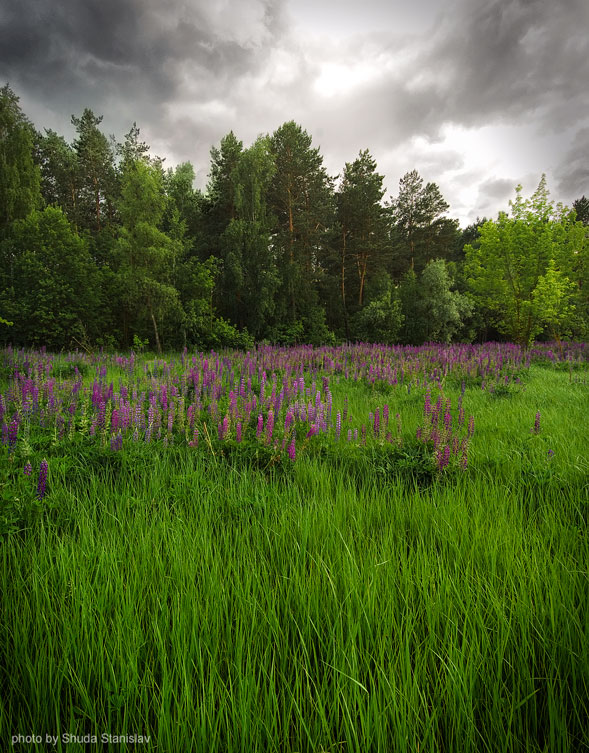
338, 79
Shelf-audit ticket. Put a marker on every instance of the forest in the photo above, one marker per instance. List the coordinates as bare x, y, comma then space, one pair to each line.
103, 245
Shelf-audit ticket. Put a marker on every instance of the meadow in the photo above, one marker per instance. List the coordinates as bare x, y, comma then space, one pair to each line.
354, 548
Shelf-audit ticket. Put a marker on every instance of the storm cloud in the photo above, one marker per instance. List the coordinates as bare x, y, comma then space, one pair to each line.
439, 87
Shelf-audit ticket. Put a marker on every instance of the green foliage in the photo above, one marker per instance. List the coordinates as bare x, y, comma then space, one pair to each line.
552, 299
250, 277
59, 173
49, 282
443, 310
19, 176
581, 207
421, 232
525, 262
225, 335
146, 255
19, 507
381, 320
95, 178
363, 238
301, 201
432, 310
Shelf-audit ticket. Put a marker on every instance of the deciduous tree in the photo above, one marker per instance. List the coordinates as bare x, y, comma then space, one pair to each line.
515, 255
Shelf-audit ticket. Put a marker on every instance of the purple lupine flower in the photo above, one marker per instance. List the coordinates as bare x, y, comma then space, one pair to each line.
427, 407
42, 482
376, 422
550, 454
28, 469
114, 421
470, 431
260, 428
238, 432
292, 453
116, 442
269, 427
312, 431
338, 424
443, 458
101, 414
194, 442
349, 435
13, 432
536, 429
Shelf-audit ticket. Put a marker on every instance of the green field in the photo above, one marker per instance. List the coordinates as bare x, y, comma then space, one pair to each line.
225, 598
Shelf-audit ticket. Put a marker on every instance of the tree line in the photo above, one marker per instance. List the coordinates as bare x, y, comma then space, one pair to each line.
101, 245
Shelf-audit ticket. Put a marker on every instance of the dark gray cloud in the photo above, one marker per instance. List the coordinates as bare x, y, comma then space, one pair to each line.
392, 80
573, 173
105, 52
508, 58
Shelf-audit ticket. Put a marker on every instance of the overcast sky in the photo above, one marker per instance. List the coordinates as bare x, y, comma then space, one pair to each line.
477, 95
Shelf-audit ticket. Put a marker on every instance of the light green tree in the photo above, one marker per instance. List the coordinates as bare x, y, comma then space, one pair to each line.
514, 255
553, 301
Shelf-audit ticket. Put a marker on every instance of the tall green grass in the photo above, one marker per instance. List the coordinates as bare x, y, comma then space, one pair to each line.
339, 605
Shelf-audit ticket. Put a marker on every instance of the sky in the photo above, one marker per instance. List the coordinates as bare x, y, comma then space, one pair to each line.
477, 95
